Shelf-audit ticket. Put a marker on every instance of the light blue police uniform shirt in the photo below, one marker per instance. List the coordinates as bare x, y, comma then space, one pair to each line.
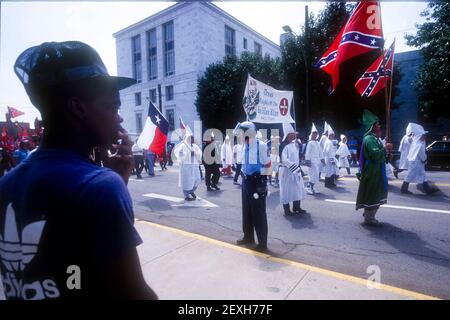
250, 163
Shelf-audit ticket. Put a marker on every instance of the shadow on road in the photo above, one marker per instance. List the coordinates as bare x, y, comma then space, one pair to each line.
437, 197
410, 243
302, 221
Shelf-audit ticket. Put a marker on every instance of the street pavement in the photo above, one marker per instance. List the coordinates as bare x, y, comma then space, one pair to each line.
411, 250
189, 249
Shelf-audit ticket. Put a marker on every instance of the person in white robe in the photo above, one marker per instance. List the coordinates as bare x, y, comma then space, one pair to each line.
292, 188
189, 156
343, 154
275, 161
322, 141
314, 159
417, 158
226, 152
329, 154
403, 148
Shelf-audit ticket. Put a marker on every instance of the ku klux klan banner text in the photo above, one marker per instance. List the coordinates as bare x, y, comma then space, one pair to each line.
264, 104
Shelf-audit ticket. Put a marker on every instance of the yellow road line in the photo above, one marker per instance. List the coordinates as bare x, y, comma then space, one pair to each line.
337, 275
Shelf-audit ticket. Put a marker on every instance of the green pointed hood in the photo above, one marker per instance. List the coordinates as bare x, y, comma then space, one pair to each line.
368, 120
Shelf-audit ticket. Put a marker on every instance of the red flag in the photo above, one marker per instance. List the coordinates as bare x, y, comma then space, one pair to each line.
376, 76
14, 112
361, 34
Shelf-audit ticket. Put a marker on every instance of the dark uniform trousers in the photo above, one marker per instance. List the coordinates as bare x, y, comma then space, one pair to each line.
212, 174
254, 215
138, 164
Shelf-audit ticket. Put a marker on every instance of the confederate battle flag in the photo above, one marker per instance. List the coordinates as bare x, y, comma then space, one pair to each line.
376, 76
362, 33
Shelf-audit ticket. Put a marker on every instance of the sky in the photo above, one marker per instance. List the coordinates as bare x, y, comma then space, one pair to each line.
26, 24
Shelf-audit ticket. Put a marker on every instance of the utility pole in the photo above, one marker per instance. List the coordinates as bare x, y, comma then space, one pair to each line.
159, 98
306, 57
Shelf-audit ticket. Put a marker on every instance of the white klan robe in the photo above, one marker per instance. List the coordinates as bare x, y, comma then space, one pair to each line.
189, 159
404, 147
322, 141
416, 157
226, 153
314, 154
291, 181
343, 154
329, 154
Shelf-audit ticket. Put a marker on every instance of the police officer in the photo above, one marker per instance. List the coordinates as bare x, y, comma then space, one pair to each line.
254, 188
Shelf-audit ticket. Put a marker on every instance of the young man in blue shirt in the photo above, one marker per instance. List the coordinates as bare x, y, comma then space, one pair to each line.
60, 214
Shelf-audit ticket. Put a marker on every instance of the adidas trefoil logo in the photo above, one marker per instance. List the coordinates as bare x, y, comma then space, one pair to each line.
16, 253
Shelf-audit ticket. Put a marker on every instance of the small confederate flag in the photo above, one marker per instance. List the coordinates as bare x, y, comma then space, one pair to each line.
14, 112
376, 76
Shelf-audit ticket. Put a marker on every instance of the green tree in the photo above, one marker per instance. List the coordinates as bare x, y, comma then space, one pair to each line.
433, 81
221, 88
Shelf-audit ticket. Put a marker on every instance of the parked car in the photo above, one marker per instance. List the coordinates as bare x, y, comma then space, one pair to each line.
438, 155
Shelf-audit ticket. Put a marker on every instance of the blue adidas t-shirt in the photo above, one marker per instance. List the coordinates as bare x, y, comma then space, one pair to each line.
60, 213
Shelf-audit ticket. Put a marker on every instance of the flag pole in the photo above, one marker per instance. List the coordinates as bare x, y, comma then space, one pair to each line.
387, 102
391, 80
388, 107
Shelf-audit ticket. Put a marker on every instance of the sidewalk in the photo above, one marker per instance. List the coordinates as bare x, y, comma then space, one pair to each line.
181, 265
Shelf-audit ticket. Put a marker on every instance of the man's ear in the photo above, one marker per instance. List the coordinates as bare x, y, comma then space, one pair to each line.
77, 107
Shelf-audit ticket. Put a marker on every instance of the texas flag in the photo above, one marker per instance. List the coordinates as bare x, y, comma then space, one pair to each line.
362, 33
376, 76
154, 135
14, 112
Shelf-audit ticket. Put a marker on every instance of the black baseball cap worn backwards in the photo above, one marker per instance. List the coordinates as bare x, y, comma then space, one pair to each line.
58, 63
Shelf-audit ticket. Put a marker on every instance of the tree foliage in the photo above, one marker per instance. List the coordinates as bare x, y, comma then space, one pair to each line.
433, 81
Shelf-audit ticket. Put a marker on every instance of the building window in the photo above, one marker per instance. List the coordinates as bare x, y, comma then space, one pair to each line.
245, 43
169, 49
137, 57
169, 93
137, 98
153, 95
170, 116
258, 48
230, 43
138, 122
152, 64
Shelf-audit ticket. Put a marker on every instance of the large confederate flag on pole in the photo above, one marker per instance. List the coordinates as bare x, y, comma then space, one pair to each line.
362, 33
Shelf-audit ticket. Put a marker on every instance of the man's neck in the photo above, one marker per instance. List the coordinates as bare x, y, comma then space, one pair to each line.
66, 142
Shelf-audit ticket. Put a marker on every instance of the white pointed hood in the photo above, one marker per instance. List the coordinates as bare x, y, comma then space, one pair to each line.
408, 130
287, 128
418, 131
325, 129
313, 129
330, 130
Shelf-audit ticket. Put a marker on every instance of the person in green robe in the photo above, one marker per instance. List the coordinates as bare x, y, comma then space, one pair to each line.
372, 191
